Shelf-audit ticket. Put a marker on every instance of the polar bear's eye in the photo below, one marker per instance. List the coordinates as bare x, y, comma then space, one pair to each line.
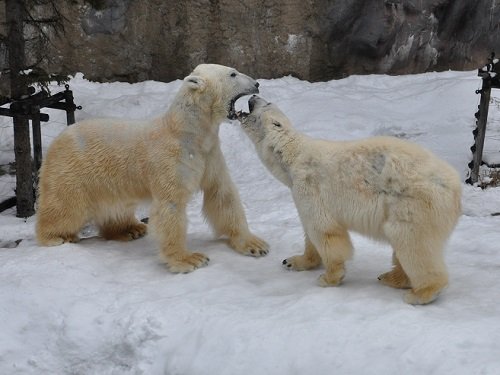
233, 74
277, 124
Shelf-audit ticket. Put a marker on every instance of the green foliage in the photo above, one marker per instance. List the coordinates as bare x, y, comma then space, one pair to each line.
38, 77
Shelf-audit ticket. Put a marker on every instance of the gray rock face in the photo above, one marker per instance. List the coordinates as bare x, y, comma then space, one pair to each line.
310, 39
110, 20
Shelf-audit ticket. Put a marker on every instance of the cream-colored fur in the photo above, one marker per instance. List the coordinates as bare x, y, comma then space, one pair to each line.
382, 187
99, 170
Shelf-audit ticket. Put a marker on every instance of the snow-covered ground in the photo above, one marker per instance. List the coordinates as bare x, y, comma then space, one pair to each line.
102, 307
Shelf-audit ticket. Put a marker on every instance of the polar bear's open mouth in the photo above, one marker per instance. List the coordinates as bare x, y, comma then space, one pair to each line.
232, 113
242, 115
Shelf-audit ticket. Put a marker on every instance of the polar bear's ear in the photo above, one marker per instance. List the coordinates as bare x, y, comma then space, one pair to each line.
195, 82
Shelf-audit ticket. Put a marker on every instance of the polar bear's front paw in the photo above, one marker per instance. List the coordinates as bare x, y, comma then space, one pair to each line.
186, 263
250, 245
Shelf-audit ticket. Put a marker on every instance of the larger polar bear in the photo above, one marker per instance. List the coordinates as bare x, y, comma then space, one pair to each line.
383, 187
98, 170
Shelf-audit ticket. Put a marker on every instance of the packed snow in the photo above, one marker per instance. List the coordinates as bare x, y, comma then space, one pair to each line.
101, 307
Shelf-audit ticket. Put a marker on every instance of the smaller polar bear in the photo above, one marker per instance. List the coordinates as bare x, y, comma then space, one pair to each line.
99, 170
383, 187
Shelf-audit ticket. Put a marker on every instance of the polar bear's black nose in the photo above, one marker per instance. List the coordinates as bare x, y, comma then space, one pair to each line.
251, 102
257, 84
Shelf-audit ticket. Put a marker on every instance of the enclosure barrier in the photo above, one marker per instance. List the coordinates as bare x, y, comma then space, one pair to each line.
490, 75
22, 111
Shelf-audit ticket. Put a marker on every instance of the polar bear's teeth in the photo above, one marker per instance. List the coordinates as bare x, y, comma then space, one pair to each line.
240, 115
232, 115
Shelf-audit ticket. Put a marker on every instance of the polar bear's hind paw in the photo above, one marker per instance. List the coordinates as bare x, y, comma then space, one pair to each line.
137, 231
301, 263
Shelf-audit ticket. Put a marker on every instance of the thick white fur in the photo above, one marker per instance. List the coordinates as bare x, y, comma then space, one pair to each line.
382, 187
99, 170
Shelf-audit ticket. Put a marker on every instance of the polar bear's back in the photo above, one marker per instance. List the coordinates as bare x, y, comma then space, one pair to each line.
107, 131
99, 155
371, 181
399, 166
381, 162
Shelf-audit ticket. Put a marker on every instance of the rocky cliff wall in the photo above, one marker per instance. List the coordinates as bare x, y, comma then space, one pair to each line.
134, 40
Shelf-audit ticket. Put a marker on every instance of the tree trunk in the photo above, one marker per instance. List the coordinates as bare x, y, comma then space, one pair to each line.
15, 14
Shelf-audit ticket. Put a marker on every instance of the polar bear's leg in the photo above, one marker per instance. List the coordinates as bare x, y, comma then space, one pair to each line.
59, 218
397, 277
223, 209
309, 260
120, 224
421, 257
169, 225
58, 231
334, 249
425, 267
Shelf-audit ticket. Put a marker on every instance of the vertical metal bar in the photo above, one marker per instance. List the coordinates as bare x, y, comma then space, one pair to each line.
70, 107
37, 138
484, 103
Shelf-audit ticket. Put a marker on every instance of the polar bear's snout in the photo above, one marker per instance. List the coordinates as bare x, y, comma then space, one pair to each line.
256, 102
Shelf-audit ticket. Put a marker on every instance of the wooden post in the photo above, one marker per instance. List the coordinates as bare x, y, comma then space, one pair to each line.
477, 148
14, 11
24, 170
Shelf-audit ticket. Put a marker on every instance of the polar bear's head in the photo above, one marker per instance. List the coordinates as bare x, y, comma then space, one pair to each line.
272, 134
219, 87
264, 122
